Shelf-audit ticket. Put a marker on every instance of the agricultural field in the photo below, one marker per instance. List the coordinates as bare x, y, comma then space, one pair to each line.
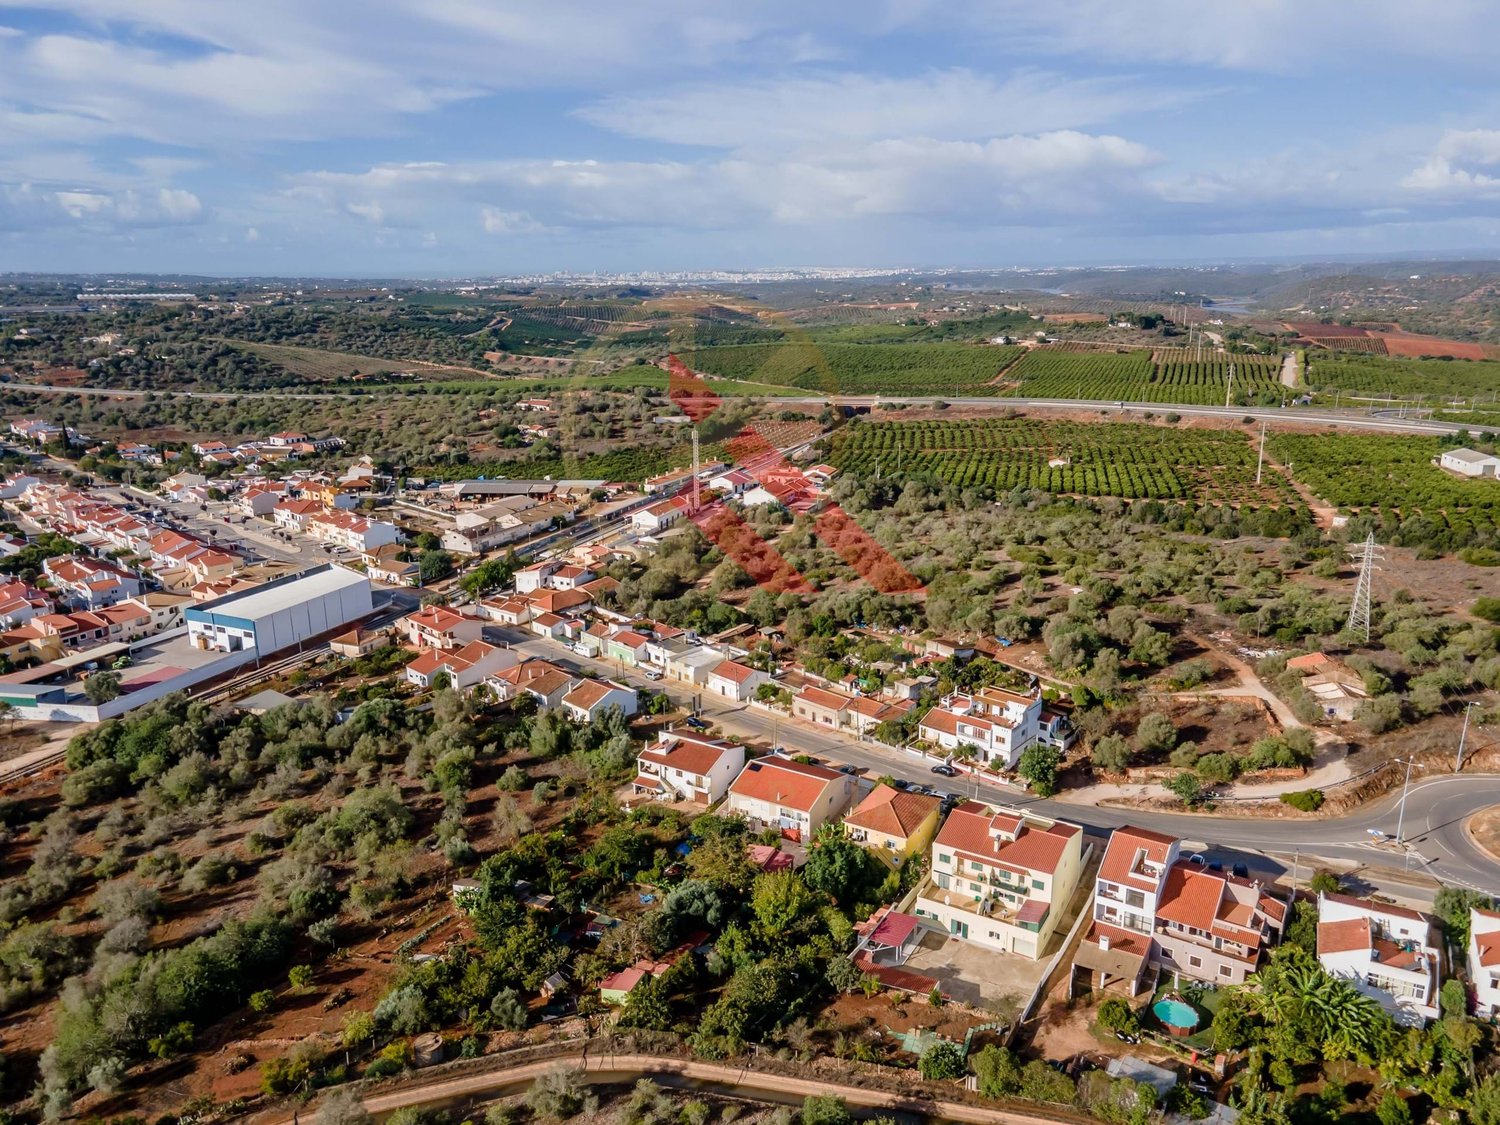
1393, 479
319, 365
859, 369
1135, 376
1127, 460
1366, 375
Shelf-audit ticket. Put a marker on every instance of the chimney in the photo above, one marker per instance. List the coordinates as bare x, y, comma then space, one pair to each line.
1104, 941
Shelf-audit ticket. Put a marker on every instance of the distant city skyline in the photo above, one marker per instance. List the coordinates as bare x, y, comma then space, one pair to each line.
455, 138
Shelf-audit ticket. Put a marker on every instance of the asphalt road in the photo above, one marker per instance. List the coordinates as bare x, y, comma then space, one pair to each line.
1368, 419
1436, 808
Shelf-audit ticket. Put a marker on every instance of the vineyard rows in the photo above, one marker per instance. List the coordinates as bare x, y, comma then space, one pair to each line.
1135, 377
1131, 461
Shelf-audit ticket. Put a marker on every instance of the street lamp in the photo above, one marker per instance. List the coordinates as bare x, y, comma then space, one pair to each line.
1462, 738
1401, 815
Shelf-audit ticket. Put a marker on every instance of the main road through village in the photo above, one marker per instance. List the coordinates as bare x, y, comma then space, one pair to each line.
1432, 823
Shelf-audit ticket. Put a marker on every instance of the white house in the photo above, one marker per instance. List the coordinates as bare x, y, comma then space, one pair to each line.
735, 681
546, 683
464, 667
1000, 723
1484, 961
1470, 463
592, 698
436, 626
1002, 878
655, 518
1387, 952
688, 767
796, 797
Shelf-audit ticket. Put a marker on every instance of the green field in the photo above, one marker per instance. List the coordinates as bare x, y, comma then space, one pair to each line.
1378, 377
1394, 477
319, 365
1134, 377
859, 369
1128, 460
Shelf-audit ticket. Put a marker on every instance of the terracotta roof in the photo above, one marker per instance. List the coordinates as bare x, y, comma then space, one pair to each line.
626, 638
588, 694
782, 781
892, 812
1308, 662
1191, 897
691, 755
1125, 844
1379, 908
967, 830
623, 981
1488, 946
820, 698
733, 671
946, 722
1346, 936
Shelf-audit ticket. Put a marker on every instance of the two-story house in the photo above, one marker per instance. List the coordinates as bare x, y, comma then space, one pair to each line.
999, 724
688, 767
1153, 910
1484, 961
462, 668
796, 797
1389, 953
436, 626
894, 825
1002, 878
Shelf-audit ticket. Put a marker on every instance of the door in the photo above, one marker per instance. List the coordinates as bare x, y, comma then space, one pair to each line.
959, 929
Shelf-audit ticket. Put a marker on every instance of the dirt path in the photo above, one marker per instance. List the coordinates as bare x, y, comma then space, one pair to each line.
613, 1069
1322, 513
1289, 369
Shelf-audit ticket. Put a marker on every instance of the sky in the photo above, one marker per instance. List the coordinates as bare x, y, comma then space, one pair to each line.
452, 138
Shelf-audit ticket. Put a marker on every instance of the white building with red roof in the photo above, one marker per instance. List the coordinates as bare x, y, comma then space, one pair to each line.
688, 767
1154, 911
591, 698
464, 667
1484, 961
90, 583
437, 626
1388, 952
656, 518
796, 797
1002, 877
999, 724
735, 681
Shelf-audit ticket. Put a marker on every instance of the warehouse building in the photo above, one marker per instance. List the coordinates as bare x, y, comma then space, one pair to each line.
281, 613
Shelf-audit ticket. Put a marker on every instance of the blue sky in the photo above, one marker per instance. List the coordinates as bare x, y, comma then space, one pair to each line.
458, 137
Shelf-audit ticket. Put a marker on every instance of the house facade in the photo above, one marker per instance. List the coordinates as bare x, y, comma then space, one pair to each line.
1002, 878
1000, 724
795, 797
1389, 953
894, 825
687, 767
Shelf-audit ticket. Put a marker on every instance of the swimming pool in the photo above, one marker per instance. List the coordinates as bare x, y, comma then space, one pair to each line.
1177, 1016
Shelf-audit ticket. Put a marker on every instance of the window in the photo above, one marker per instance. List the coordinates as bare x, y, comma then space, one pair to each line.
1037, 884
1225, 971
945, 859
1136, 899
1195, 962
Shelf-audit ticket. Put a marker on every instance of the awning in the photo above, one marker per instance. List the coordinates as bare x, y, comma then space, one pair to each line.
1033, 912
894, 930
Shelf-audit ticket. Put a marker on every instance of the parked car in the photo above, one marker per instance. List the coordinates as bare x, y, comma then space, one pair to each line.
945, 770
695, 723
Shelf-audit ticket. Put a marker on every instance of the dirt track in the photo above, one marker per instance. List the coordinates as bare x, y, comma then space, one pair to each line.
606, 1068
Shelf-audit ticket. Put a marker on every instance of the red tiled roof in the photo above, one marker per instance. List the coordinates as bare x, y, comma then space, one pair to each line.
820, 698
1125, 843
733, 671
779, 780
691, 755
892, 812
967, 830
1345, 936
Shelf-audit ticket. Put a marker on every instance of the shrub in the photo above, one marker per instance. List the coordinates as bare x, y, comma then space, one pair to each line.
943, 1060
1488, 609
1115, 1014
1304, 800
1186, 788
1111, 754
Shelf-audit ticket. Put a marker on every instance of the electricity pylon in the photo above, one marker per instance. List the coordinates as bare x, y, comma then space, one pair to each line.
1359, 609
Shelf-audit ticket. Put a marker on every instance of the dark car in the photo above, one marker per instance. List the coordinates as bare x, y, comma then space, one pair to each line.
1242, 870
900, 783
945, 770
849, 770
695, 723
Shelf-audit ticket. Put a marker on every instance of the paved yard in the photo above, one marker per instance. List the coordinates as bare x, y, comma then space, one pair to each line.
973, 975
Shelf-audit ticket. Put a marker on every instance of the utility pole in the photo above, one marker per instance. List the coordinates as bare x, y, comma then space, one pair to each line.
1462, 738
1229, 389
1261, 461
695, 470
1359, 609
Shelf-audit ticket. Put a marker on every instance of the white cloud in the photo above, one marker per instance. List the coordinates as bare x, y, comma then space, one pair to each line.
1453, 167
496, 221
951, 104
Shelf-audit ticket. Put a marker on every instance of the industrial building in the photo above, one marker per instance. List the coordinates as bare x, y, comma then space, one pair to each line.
282, 613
